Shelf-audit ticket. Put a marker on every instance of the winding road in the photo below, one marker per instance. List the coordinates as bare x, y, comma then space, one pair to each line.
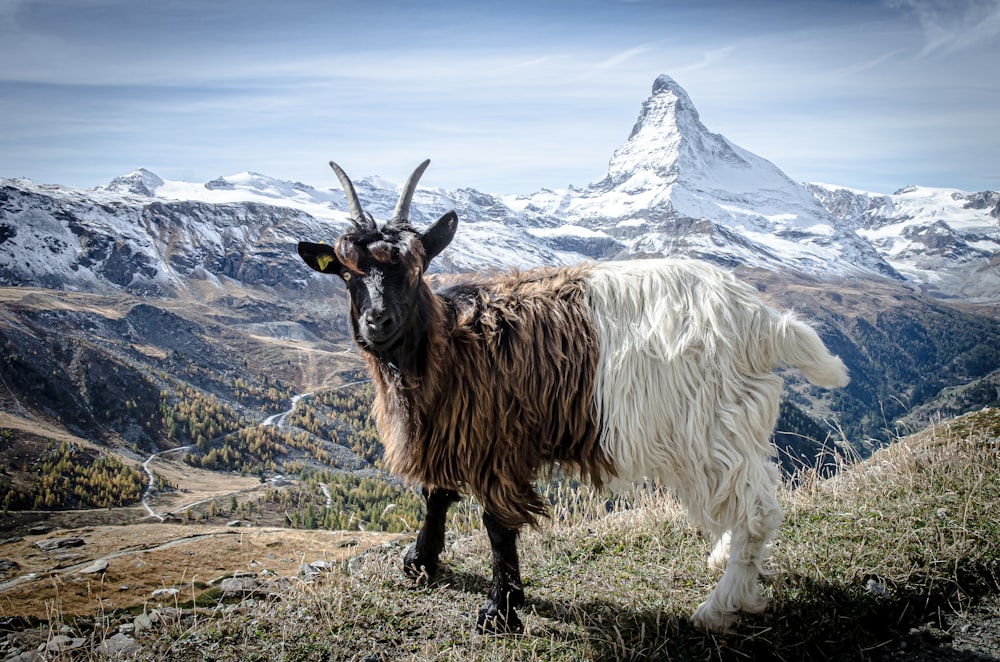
282, 418
275, 420
151, 487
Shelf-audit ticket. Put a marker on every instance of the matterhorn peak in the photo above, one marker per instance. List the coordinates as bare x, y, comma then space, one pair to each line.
668, 103
670, 149
667, 132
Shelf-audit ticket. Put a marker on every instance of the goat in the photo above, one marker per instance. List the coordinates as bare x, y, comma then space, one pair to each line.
618, 371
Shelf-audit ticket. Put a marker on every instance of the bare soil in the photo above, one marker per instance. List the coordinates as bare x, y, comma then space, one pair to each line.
148, 556
145, 554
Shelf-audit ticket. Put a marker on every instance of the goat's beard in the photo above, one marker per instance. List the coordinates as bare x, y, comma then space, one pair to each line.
402, 353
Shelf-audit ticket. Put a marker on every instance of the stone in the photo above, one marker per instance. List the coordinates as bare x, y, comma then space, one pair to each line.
119, 644
100, 565
243, 587
61, 643
51, 544
26, 656
142, 622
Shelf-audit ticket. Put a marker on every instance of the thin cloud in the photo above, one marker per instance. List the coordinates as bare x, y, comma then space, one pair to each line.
951, 26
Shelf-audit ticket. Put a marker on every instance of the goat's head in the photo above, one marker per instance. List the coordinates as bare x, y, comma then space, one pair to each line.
382, 267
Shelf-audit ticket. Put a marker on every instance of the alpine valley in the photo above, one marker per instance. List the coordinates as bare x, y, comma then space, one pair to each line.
149, 315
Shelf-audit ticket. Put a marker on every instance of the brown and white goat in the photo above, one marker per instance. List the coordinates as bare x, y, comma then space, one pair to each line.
621, 371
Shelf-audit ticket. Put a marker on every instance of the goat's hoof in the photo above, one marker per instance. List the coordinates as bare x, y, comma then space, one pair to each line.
417, 568
493, 621
714, 621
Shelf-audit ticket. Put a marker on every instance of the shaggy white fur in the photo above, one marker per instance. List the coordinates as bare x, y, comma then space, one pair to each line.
686, 396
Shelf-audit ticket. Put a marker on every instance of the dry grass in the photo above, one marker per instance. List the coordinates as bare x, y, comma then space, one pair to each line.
145, 557
906, 538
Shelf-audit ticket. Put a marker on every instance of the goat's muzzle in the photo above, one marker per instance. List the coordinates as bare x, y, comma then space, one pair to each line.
380, 329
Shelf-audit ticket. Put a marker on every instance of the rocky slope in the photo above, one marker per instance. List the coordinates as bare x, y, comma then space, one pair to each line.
206, 274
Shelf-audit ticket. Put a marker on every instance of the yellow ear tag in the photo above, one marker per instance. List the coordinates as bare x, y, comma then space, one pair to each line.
324, 261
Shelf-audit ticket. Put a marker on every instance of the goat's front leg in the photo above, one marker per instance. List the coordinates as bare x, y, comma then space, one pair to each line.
497, 616
421, 558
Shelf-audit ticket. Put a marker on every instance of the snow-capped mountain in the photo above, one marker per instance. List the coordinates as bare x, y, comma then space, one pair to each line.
945, 240
151, 236
118, 237
673, 188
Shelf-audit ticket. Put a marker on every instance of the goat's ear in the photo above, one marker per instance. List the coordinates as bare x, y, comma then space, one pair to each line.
319, 256
439, 235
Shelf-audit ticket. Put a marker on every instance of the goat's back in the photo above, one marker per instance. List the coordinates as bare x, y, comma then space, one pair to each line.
684, 384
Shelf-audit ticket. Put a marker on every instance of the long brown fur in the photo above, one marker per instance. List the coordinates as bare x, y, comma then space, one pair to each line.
506, 389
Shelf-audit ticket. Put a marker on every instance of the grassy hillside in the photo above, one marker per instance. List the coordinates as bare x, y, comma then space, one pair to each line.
889, 558
137, 376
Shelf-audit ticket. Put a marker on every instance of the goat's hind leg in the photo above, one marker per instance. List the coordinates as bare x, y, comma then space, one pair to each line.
497, 616
421, 558
739, 588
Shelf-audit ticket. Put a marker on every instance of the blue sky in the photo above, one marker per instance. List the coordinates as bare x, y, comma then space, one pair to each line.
507, 97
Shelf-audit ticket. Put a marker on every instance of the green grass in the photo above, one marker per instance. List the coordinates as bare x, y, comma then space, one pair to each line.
898, 541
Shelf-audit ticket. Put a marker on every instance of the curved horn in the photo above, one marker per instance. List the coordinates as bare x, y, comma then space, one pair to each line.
353, 204
402, 210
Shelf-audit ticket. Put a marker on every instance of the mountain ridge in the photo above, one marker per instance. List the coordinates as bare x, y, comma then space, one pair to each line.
673, 188
221, 254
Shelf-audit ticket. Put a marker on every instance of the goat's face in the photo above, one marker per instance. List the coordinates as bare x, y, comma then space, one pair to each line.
383, 270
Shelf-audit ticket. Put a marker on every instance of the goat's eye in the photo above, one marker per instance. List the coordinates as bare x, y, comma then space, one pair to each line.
346, 276
394, 253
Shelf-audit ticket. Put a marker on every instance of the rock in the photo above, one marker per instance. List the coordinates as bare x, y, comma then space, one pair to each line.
250, 587
67, 556
7, 565
234, 523
58, 543
165, 592
61, 643
11, 540
26, 656
142, 622
100, 565
169, 614
119, 644
39, 529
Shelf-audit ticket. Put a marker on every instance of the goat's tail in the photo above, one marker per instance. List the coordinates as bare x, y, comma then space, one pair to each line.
798, 343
